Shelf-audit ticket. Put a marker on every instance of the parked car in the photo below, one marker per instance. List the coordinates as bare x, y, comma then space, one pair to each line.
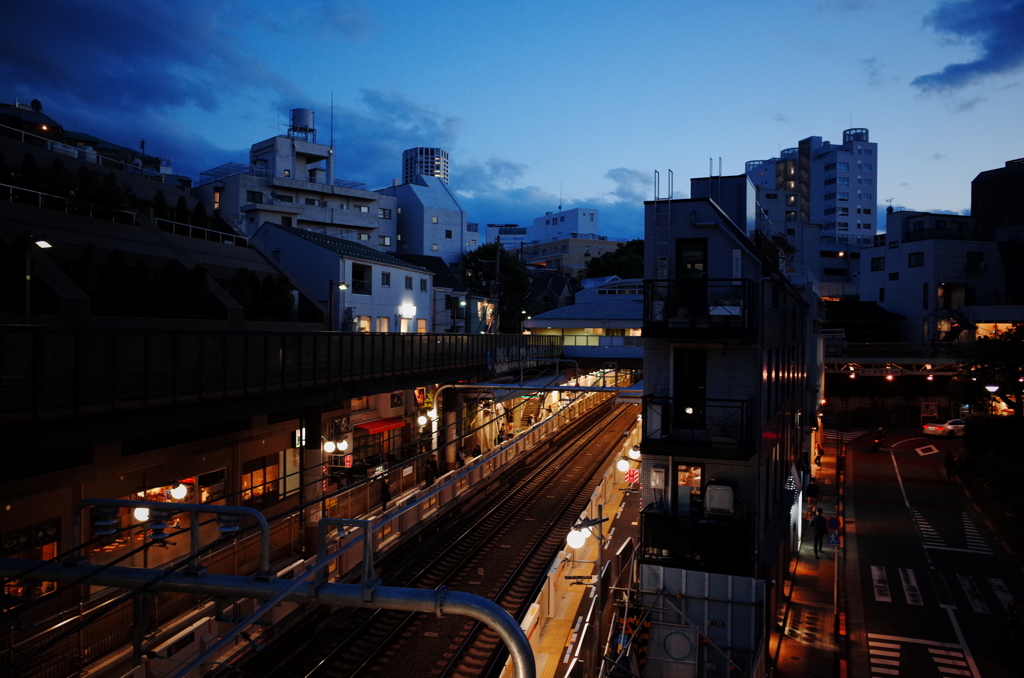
953, 427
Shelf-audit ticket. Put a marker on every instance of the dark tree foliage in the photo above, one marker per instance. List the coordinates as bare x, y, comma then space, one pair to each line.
626, 262
509, 283
199, 216
110, 193
160, 208
29, 175
181, 211
992, 361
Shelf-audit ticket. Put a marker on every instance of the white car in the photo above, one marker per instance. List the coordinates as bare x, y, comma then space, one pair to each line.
953, 427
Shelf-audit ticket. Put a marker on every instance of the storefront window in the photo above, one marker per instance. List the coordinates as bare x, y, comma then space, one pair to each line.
688, 489
35, 542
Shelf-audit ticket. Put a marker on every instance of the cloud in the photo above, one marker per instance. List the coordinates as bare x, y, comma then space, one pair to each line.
938, 156
995, 28
967, 104
783, 118
631, 185
873, 70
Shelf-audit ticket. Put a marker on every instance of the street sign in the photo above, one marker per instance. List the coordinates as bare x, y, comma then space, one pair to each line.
833, 539
833, 523
633, 475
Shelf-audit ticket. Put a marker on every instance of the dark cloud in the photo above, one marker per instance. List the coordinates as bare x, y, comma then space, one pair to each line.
996, 28
632, 185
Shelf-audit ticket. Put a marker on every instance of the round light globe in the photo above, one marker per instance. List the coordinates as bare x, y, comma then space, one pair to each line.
179, 492
329, 446
421, 420
622, 464
141, 514
343, 445
576, 539
634, 452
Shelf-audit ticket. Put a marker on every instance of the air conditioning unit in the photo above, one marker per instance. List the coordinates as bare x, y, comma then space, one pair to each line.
720, 500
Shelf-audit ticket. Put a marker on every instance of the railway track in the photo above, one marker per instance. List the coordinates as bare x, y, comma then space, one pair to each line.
502, 552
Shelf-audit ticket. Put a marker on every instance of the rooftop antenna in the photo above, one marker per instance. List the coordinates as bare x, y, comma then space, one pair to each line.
670, 176
657, 183
332, 118
559, 196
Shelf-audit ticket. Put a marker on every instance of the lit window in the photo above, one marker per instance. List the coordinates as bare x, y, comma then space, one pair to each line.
433, 220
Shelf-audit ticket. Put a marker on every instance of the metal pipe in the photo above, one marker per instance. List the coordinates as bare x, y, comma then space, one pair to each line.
437, 601
194, 509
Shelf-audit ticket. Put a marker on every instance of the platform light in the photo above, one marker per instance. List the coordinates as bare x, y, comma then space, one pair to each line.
577, 538
343, 445
622, 464
421, 420
853, 375
330, 446
931, 377
141, 514
634, 452
179, 492
43, 245
992, 389
888, 377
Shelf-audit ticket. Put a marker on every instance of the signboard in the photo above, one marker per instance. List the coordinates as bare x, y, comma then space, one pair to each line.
833, 540
879, 372
833, 523
633, 475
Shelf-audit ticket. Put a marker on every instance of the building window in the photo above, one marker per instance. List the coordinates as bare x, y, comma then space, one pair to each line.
771, 196
423, 284
843, 181
364, 237
894, 276
843, 196
433, 248
433, 220
830, 210
408, 282
385, 279
421, 325
940, 223
260, 480
287, 173
362, 208
864, 151
915, 259
864, 182
881, 294
473, 227
383, 323
286, 221
216, 199
285, 198
843, 166
363, 322
843, 225
448, 234
894, 244
385, 241
830, 182
383, 213
254, 197
877, 263
830, 167
844, 211
790, 215
867, 196
313, 201
830, 196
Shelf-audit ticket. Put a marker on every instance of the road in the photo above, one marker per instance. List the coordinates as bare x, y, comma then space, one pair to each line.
927, 580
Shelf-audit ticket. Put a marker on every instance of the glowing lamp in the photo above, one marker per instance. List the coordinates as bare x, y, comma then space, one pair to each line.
141, 514
576, 538
330, 447
622, 464
179, 492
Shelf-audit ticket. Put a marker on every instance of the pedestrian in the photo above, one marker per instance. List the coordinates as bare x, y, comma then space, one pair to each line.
385, 493
432, 469
476, 451
818, 455
812, 493
819, 526
949, 464
460, 457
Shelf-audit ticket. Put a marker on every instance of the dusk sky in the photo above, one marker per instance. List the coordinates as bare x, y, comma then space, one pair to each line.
534, 100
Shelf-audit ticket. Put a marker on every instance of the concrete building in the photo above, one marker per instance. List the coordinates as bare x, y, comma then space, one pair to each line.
289, 181
943, 273
512, 236
430, 162
730, 394
565, 223
567, 256
429, 219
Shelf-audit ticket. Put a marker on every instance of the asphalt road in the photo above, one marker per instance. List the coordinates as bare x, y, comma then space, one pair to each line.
927, 581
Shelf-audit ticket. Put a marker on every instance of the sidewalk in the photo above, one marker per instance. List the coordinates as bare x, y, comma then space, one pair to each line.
804, 641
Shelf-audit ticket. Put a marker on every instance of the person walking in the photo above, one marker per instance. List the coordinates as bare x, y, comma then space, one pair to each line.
817, 457
820, 527
476, 451
812, 493
460, 457
385, 493
949, 465
432, 469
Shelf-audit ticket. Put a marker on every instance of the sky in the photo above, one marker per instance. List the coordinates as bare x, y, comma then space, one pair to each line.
540, 103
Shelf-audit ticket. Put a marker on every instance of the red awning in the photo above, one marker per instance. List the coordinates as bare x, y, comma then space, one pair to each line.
379, 425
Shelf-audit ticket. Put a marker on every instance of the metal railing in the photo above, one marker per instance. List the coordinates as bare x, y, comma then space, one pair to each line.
718, 423
27, 196
178, 228
939, 350
699, 303
46, 372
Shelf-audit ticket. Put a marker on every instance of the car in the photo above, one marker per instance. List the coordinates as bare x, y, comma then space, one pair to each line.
953, 427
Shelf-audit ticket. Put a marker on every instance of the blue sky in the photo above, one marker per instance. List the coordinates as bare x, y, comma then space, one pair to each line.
540, 102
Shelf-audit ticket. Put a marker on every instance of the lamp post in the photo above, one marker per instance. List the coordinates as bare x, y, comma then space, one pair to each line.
576, 538
341, 286
41, 244
991, 432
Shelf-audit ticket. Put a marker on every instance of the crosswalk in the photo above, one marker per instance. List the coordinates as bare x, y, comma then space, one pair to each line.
932, 540
886, 655
833, 435
903, 586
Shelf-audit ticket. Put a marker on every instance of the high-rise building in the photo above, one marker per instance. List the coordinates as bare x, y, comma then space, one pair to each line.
431, 162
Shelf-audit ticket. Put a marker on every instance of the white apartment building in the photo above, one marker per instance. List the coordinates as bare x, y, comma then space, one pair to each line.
566, 224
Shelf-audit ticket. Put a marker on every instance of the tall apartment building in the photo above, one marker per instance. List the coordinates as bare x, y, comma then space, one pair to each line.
430, 162
566, 224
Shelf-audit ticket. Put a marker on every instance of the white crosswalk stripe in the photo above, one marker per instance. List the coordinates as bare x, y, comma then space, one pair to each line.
980, 593
928, 533
975, 542
949, 661
844, 436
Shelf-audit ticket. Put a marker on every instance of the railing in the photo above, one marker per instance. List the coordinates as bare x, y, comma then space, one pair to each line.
699, 303
362, 287
27, 196
232, 169
178, 228
929, 350
722, 423
49, 372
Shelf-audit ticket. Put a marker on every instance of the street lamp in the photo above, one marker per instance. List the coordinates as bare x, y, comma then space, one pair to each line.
576, 538
341, 286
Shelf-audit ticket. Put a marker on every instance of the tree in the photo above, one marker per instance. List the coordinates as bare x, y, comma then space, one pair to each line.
997, 360
508, 283
199, 216
626, 262
181, 211
160, 208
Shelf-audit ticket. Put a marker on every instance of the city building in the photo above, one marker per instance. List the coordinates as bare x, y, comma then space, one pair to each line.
731, 382
943, 273
420, 161
512, 236
577, 222
429, 219
567, 256
289, 180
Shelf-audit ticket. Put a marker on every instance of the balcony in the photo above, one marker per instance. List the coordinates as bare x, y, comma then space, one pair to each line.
699, 308
723, 544
724, 426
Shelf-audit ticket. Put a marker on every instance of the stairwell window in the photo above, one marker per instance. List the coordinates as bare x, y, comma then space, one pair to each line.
385, 279
915, 259
408, 282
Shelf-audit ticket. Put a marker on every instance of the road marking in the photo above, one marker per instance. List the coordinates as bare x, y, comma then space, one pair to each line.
928, 534
881, 584
1002, 593
903, 491
950, 548
926, 450
608, 540
874, 643
919, 641
963, 644
941, 589
974, 538
910, 588
886, 662
973, 594
888, 672
883, 653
